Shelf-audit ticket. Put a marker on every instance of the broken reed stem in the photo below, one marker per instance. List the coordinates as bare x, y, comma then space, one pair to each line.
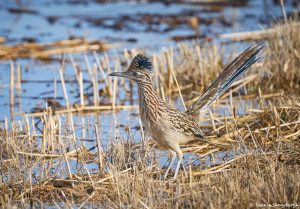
169, 55
51, 136
70, 115
80, 82
74, 65
83, 131
283, 11
64, 150
11, 90
169, 64
61, 69
27, 127
44, 139
200, 60
5, 138
19, 78
54, 86
101, 69
96, 93
100, 151
93, 79
33, 126
115, 86
106, 60
160, 81
79, 77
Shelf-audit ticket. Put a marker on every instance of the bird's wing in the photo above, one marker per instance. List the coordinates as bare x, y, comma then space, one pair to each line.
231, 73
184, 123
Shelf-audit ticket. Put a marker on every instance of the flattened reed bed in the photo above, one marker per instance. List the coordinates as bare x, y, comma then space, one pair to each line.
45, 51
258, 156
255, 159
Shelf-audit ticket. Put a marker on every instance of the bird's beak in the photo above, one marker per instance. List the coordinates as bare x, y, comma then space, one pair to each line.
119, 74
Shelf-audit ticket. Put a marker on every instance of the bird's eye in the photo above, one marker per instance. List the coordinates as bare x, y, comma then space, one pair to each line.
134, 73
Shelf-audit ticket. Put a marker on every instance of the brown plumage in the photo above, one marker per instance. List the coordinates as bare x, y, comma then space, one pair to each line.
168, 126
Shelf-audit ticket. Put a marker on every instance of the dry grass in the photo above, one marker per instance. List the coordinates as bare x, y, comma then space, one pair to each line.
259, 165
45, 51
284, 54
256, 162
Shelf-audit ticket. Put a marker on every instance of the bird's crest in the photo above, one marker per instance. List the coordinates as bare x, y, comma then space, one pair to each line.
141, 62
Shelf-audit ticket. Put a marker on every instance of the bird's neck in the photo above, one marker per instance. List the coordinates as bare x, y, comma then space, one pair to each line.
147, 92
149, 102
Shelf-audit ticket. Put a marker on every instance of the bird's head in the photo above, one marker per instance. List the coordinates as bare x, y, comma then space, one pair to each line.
139, 70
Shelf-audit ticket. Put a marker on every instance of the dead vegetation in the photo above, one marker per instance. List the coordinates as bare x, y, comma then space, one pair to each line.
259, 165
256, 162
45, 51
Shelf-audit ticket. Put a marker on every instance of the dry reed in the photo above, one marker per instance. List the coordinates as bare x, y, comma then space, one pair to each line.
35, 50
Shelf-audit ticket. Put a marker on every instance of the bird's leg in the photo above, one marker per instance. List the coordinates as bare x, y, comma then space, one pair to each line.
180, 156
173, 154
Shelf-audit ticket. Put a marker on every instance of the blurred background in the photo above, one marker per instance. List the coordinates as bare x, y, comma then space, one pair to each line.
34, 35
131, 24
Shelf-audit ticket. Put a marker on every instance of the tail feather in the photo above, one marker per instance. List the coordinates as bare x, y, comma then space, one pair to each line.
230, 74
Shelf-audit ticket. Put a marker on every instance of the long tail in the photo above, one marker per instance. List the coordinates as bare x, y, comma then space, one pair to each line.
230, 74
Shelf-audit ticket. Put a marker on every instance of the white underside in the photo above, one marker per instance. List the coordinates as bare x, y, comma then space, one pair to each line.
164, 135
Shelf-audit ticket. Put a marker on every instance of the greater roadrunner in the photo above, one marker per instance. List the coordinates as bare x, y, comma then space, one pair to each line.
168, 126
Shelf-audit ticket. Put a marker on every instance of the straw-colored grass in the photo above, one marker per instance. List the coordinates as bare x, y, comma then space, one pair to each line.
258, 163
254, 162
45, 51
